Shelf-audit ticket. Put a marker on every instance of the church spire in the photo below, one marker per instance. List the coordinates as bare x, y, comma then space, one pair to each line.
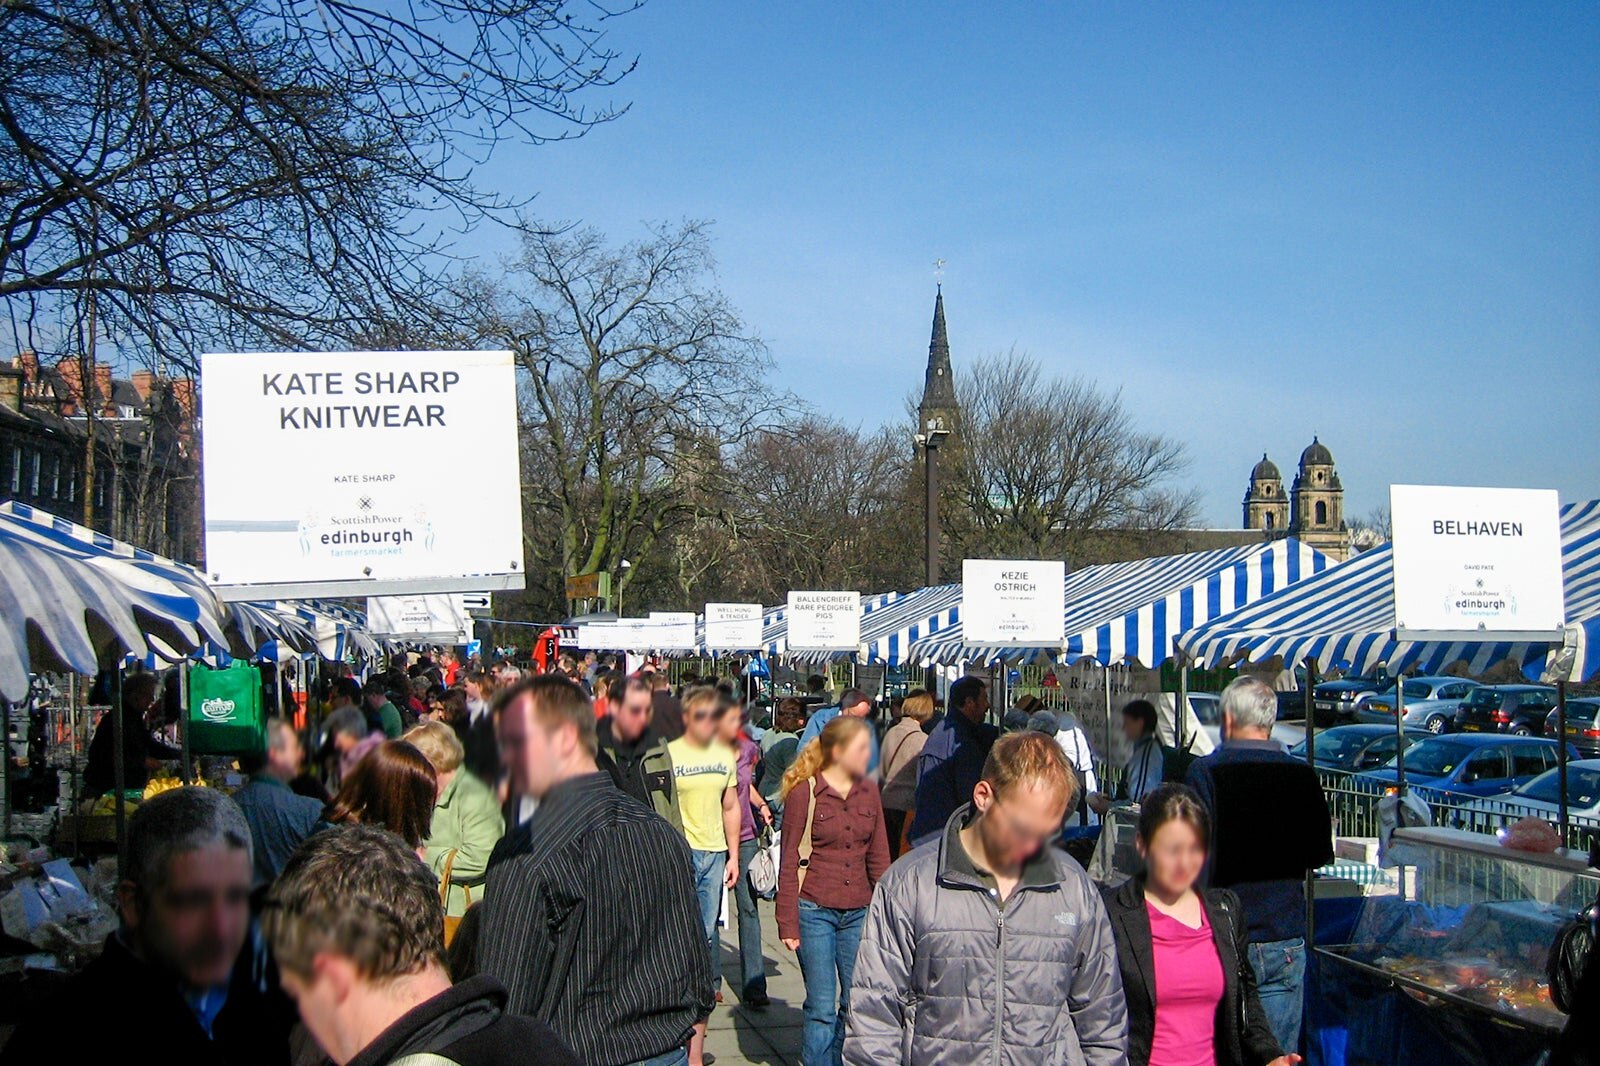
939, 389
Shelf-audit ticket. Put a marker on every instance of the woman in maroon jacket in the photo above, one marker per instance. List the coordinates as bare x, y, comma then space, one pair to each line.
823, 897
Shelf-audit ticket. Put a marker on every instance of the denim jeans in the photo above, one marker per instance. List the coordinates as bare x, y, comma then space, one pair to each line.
708, 870
675, 1057
1280, 969
828, 940
751, 961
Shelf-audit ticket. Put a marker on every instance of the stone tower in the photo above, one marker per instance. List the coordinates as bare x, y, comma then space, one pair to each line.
938, 410
1266, 505
1318, 503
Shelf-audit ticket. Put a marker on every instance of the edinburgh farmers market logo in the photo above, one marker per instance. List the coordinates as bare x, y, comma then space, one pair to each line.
363, 530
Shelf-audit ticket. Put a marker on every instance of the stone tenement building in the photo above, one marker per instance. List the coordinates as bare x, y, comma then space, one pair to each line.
146, 483
1312, 511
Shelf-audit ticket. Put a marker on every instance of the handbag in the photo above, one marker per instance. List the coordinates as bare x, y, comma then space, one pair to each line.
763, 872
1570, 955
450, 924
225, 713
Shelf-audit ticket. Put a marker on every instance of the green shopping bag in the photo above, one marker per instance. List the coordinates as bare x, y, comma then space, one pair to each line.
225, 713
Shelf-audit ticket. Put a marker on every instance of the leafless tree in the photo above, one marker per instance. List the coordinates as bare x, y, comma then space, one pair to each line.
1369, 532
827, 506
1040, 462
637, 376
266, 171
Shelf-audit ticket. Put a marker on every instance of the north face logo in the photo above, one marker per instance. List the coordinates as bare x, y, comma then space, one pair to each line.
1066, 918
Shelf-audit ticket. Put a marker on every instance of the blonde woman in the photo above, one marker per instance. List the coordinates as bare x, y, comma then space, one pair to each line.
466, 817
898, 772
828, 788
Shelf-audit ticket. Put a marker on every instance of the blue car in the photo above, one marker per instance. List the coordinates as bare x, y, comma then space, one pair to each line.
1473, 764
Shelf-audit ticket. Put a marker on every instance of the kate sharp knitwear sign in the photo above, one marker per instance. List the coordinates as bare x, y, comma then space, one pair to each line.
353, 445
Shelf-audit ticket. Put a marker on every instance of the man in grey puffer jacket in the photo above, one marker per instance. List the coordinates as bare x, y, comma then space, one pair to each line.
986, 945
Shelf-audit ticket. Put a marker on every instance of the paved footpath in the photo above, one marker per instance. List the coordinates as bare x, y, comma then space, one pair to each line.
770, 1037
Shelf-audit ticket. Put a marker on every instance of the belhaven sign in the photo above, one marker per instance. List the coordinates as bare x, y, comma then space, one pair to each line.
1476, 563
359, 437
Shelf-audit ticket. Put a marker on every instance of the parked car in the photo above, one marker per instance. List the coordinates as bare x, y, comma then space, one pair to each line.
1431, 703
1472, 765
1516, 709
1353, 748
1583, 726
1335, 701
1543, 793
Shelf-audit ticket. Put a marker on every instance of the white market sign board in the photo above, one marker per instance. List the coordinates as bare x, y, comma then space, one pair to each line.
733, 626
438, 615
1476, 563
323, 473
1013, 604
674, 629
660, 632
824, 621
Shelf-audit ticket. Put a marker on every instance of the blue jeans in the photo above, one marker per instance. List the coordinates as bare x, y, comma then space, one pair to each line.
751, 961
828, 940
708, 870
1280, 969
675, 1057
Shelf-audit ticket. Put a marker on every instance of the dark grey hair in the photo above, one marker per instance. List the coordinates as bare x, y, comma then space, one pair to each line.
178, 821
1251, 703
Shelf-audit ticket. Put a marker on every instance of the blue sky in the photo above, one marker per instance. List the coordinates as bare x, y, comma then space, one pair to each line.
1377, 223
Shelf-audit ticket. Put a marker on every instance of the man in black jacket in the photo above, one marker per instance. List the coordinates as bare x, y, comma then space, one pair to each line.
590, 917
358, 933
177, 976
1270, 826
634, 754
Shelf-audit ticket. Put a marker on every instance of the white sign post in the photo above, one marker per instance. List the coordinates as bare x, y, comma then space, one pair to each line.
437, 618
323, 471
1013, 604
733, 626
824, 621
1476, 564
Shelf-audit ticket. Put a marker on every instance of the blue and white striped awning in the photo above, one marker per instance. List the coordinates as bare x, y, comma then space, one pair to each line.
1345, 618
337, 629
72, 599
1133, 611
888, 630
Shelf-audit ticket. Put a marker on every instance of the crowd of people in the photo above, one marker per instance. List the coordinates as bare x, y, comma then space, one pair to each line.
533, 869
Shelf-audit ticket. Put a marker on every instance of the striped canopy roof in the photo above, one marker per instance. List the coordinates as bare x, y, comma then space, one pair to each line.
73, 599
1132, 611
1345, 618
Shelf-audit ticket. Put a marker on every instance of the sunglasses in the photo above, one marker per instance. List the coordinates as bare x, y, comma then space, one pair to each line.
701, 716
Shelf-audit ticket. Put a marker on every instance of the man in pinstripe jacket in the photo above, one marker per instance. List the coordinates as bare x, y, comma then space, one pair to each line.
590, 918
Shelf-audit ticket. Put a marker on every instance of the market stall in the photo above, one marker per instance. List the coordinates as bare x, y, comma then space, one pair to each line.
1411, 948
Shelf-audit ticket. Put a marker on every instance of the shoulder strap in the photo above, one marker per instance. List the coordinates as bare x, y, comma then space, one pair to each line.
805, 838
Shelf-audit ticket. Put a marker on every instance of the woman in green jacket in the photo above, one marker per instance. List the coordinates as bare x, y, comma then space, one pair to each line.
466, 818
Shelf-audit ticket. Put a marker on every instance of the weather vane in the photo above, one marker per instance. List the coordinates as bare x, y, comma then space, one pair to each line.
938, 270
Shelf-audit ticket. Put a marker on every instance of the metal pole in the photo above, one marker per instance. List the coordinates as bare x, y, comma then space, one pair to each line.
119, 772
1400, 730
1182, 715
76, 776
1106, 731
1561, 756
930, 452
183, 720
1311, 713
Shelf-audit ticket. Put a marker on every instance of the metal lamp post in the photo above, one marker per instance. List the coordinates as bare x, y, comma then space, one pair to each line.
931, 437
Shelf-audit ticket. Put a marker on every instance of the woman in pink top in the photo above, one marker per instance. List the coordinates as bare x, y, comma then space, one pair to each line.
1185, 972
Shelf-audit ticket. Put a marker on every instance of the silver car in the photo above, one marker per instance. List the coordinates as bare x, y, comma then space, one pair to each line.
1431, 703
